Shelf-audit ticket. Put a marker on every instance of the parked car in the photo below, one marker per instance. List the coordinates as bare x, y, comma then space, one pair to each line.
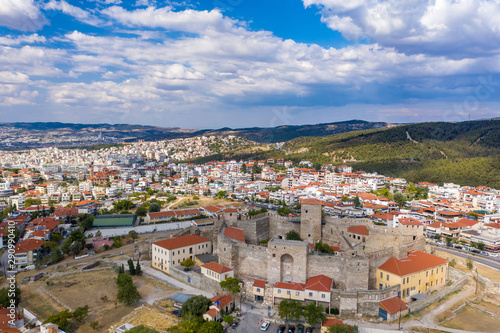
484, 253
235, 324
281, 329
309, 330
300, 328
176, 313
493, 255
265, 325
291, 329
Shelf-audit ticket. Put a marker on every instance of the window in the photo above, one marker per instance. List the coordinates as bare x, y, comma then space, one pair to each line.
442, 269
431, 283
323, 296
404, 281
279, 291
258, 290
310, 294
288, 292
297, 293
381, 275
426, 274
387, 277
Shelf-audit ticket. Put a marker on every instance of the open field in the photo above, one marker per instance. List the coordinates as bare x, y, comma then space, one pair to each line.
473, 320
96, 289
149, 316
487, 272
205, 201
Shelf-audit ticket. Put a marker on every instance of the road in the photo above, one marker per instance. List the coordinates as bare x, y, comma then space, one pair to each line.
251, 320
490, 262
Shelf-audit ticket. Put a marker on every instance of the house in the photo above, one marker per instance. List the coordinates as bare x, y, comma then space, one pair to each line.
416, 274
258, 289
5, 318
26, 252
219, 303
319, 289
173, 251
330, 322
235, 234
216, 271
97, 242
357, 234
7, 329
392, 309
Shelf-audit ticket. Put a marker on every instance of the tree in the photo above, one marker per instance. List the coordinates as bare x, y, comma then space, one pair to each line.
5, 297
61, 320
141, 211
470, 264
196, 306
138, 270
76, 247
131, 267
480, 246
357, 202
228, 319
94, 324
290, 308
88, 222
323, 248
65, 246
127, 291
133, 234
154, 207
81, 313
142, 329
400, 199
56, 255
188, 263
293, 235
448, 240
313, 314
211, 327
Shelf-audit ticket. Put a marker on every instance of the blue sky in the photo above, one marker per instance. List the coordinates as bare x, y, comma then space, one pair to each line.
241, 63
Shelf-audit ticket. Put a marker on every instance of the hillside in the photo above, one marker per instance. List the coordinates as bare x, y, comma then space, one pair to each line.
467, 153
288, 132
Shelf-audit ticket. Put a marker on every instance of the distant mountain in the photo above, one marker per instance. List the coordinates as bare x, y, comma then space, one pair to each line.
144, 132
288, 132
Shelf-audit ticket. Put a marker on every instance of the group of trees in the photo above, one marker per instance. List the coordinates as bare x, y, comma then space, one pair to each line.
134, 270
293, 235
192, 317
323, 248
62, 319
293, 309
253, 212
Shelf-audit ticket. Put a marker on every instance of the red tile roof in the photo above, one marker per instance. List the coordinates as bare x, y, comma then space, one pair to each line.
182, 241
311, 201
393, 305
359, 230
290, 286
415, 262
259, 283
222, 299
409, 221
234, 233
216, 267
28, 245
319, 283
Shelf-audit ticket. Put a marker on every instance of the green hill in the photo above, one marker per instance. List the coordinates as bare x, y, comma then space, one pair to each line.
467, 153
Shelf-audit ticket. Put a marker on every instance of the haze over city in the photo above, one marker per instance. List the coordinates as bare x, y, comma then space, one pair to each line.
238, 63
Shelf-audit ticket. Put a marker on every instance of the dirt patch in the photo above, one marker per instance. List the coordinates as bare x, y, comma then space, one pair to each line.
149, 316
474, 320
489, 306
487, 272
35, 300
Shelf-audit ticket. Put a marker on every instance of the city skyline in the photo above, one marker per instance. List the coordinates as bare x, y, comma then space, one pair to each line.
241, 64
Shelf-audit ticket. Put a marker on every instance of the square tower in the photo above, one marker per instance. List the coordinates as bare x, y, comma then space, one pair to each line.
310, 220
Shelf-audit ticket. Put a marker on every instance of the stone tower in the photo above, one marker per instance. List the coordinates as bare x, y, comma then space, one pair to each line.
310, 220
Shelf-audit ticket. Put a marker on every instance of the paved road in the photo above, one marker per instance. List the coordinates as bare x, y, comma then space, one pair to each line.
251, 320
490, 262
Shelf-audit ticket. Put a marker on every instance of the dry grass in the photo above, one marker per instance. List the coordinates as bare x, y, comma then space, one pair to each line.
424, 330
489, 306
96, 289
148, 316
205, 201
473, 320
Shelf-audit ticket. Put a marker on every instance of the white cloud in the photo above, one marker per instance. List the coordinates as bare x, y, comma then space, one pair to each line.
456, 28
76, 12
21, 15
28, 39
187, 20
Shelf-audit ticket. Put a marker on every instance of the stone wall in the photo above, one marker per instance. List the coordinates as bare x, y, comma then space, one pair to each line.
287, 261
255, 230
364, 302
196, 280
310, 223
279, 227
348, 273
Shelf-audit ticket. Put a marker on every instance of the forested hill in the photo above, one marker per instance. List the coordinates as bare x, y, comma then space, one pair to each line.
467, 153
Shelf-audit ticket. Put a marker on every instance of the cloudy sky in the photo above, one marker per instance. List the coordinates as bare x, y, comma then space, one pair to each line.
241, 63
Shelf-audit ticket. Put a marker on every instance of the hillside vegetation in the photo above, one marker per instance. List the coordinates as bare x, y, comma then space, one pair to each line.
467, 153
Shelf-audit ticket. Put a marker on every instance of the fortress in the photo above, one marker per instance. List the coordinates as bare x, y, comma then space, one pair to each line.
361, 246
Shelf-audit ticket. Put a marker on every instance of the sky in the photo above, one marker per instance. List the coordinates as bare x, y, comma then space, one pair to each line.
244, 63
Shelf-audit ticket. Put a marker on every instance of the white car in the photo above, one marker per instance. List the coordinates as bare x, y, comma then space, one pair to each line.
493, 254
265, 325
